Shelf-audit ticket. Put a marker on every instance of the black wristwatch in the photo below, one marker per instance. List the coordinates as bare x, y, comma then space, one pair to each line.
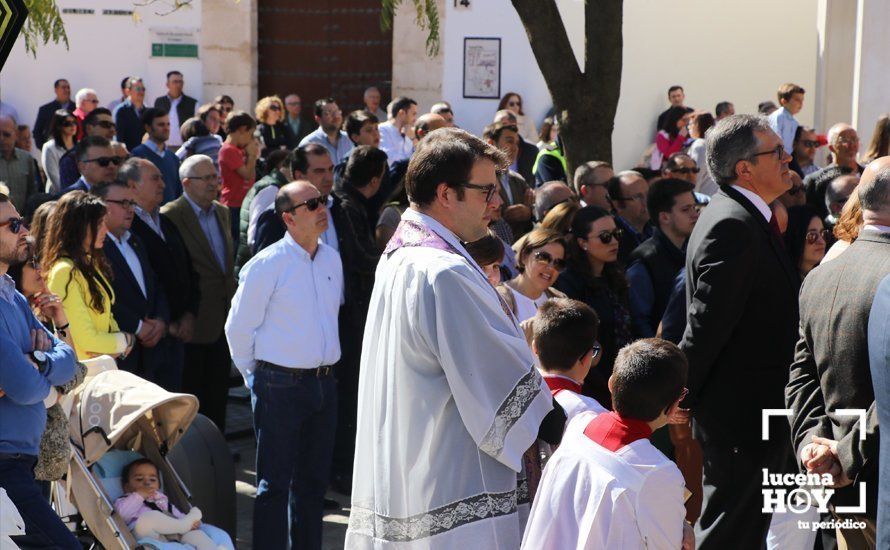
39, 357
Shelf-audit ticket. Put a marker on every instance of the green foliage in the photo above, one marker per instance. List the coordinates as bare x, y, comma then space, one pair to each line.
427, 19
43, 25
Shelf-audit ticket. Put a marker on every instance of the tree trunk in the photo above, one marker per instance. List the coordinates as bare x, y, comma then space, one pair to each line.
585, 101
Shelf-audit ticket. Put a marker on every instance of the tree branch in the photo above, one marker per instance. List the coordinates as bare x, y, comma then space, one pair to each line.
550, 44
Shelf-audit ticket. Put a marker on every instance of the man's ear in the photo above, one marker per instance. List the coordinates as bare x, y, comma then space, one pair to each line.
442, 192
743, 170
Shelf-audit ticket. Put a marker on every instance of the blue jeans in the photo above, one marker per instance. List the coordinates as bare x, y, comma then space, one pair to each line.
295, 418
43, 528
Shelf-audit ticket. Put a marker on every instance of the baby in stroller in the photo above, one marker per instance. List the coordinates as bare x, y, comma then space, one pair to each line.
150, 514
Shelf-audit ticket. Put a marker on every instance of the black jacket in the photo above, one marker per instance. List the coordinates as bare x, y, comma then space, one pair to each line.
831, 367
662, 261
40, 132
131, 306
185, 110
170, 260
741, 293
630, 239
525, 161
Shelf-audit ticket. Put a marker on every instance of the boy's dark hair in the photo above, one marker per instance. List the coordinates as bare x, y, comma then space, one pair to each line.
365, 163
563, 331
356, 120
487, 250
663, 195
239, 119
494, 131
92, 119
83, 146
125, 473
648, 377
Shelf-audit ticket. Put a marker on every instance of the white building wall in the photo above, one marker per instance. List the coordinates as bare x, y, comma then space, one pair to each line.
103, 49
735, 51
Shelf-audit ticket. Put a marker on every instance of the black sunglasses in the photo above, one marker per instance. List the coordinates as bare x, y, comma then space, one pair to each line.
544, 257
105, 161
489, 189
15, 225
695, 170
311, 204
606, 237
814, 234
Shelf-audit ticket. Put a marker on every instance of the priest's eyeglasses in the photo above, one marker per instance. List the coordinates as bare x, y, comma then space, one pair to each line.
489, 189
311, 204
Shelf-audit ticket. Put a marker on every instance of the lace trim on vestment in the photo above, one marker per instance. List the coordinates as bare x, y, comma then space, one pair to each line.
511, 410
427, 524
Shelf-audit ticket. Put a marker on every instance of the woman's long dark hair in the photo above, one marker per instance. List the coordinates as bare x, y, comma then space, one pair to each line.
578, 261
77, 215
673, 116
56, 125
799, 218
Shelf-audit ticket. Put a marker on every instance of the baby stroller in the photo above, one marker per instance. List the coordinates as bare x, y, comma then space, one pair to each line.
117, 417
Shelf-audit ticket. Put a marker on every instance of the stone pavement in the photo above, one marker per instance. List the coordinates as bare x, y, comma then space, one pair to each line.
239, 418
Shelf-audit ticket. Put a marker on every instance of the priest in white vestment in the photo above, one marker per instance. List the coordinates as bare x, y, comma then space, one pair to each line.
449, 395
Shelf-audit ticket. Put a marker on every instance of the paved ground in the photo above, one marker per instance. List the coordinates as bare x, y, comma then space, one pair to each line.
239, 418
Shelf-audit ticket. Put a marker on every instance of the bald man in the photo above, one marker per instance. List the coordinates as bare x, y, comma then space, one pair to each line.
843, 142
428, 123
283, 336
17, 169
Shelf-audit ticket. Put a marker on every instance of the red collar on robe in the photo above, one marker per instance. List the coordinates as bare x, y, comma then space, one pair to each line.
558, 383
612, 431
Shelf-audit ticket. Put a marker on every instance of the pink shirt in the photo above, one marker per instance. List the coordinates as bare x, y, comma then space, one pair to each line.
132, 505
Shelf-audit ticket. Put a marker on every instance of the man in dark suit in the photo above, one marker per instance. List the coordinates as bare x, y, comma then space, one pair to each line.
179, 106
140, 305
526, 153
831, 364
128, 115
879, 360
95, 162
166, 252
741, 328
206, 229
40, 131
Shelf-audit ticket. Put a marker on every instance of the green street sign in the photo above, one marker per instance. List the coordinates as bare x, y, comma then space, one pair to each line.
173, 50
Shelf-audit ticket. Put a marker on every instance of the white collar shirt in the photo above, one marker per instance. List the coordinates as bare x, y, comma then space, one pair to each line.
756, 200
394, 144
285, 310
175, 139
123, 244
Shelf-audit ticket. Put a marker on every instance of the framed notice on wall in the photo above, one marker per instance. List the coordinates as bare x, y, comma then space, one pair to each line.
482, 68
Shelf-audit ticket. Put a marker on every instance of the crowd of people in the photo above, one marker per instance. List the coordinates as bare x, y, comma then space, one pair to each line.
472, 340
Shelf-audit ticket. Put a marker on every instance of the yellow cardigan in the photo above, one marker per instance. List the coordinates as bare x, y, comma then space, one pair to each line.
94, 332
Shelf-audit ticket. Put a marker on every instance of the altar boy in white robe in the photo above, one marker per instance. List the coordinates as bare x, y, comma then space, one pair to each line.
564, 338
449, 394
607, 486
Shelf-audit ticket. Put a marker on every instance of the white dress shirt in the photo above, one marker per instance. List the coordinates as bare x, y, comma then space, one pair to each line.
285, 310
756, 200
175, 139
394, 144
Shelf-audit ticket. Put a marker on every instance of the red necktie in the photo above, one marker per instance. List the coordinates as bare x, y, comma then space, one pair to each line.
774, 226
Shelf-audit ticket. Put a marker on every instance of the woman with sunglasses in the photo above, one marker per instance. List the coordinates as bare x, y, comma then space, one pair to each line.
271, 127
513, 103
593, 276
540, 260
63, 132
806, 238
77, 272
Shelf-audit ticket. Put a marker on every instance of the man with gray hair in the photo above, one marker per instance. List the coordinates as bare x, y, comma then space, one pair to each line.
831, 369
843, 142
741, 294
372, 102
17, 169
206, 229
549, 195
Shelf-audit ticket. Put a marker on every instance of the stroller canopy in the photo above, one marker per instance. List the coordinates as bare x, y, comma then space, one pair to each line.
116, 406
